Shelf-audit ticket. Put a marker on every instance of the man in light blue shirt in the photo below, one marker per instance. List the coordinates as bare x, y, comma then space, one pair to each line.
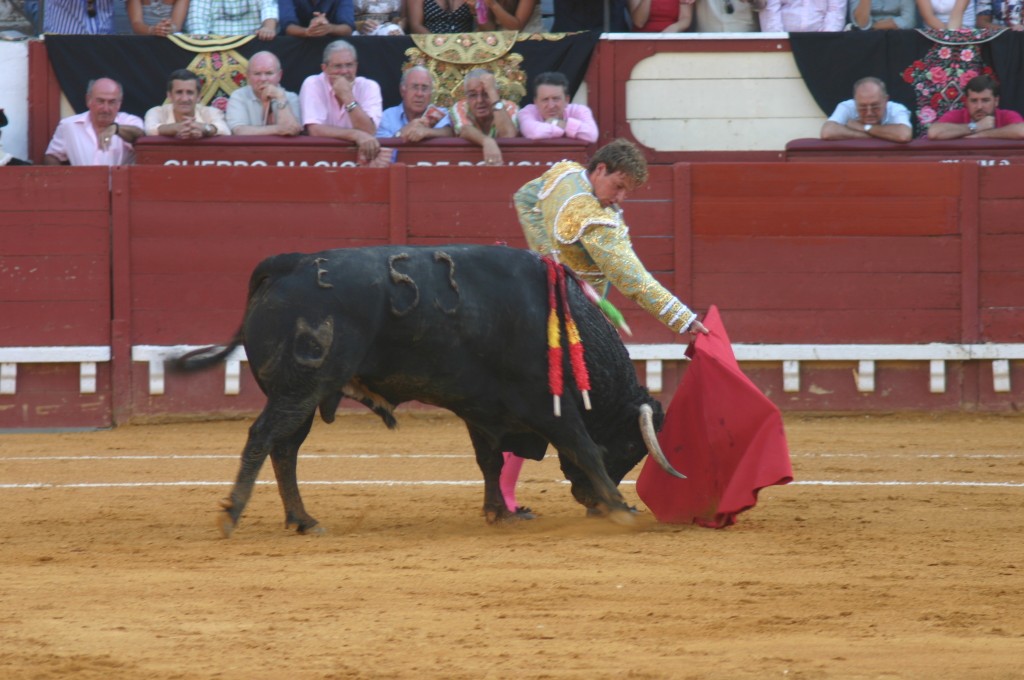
869, 115
415, 119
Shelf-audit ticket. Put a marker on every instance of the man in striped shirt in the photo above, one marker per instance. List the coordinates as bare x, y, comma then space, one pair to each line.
82, 17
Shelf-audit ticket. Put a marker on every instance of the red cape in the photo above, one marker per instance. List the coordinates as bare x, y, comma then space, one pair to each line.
722, 433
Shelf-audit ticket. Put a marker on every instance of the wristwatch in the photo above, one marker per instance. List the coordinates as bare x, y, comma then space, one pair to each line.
972, 126
351, 105
499, 106
867, 128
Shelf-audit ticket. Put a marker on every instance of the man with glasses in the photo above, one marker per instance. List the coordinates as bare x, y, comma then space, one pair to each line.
869, 115
416, 118
337, 103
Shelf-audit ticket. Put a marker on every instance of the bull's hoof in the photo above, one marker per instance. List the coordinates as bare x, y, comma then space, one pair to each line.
226, 520
312, 530
625, 518
521, 514
225, 524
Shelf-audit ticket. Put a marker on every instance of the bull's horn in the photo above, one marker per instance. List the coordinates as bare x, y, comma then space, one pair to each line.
651, 440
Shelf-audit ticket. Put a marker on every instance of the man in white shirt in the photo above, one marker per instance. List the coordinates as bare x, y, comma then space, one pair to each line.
184, 117
869, 115
100, 136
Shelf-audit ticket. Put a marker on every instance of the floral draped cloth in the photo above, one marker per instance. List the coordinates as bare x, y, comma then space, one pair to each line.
941, 75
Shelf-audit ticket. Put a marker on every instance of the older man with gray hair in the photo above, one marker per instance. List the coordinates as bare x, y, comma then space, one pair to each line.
416, 118
339, 104
263, 107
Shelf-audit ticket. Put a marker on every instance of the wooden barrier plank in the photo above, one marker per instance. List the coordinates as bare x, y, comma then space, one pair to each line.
56, 277
1004, 289
259, 220
1002, 325
810, 326
1004, 216
81, 189
872, 292
172, 256
48, 396
799, 181
826, 254
200, 326
462, 185
43, 232
258, 185
1002, 253
216, 290
45, 323
818, 215
1001, 181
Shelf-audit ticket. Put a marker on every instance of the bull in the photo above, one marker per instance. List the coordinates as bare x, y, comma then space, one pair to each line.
461, 327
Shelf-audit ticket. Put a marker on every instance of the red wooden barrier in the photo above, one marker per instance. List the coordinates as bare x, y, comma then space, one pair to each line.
792, 253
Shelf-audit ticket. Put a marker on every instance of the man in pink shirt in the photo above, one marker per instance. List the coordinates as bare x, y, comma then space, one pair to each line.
100, 136
551, 115
339, 104
981, 117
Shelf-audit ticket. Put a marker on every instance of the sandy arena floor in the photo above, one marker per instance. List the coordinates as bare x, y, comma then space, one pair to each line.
898, 553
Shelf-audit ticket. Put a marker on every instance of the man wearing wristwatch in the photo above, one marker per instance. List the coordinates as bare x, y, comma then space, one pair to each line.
869, 115
980, 116
339, 104
483, 116
103, 135
263, 107
184, 117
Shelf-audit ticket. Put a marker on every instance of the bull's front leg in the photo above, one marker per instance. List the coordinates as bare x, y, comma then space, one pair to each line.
587, 490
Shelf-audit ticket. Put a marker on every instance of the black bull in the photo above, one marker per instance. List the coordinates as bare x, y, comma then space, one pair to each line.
461, 327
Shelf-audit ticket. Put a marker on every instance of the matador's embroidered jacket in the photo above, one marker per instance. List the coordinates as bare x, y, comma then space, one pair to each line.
560, 215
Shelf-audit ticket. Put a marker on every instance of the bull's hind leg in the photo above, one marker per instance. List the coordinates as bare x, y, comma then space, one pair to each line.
285, 458
275, 425
490, 460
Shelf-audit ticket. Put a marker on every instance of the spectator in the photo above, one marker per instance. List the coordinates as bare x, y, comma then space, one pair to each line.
1000, 13
184, 117
869, 115
233, 17
263, 107
316, 18
661, 16
575, 213
339, 104
512, 15
440, 16
883, 15
551, 115
728, 16
980, 117
103, 135
6, 158
943, 15
376, 17
79, 17
157, 17
483, 115
416, 118
587, 15
808, 16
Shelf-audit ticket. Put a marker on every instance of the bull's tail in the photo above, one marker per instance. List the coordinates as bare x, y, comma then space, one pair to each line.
205, 357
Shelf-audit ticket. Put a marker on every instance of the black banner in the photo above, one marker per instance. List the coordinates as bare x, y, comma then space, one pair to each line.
142, 63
